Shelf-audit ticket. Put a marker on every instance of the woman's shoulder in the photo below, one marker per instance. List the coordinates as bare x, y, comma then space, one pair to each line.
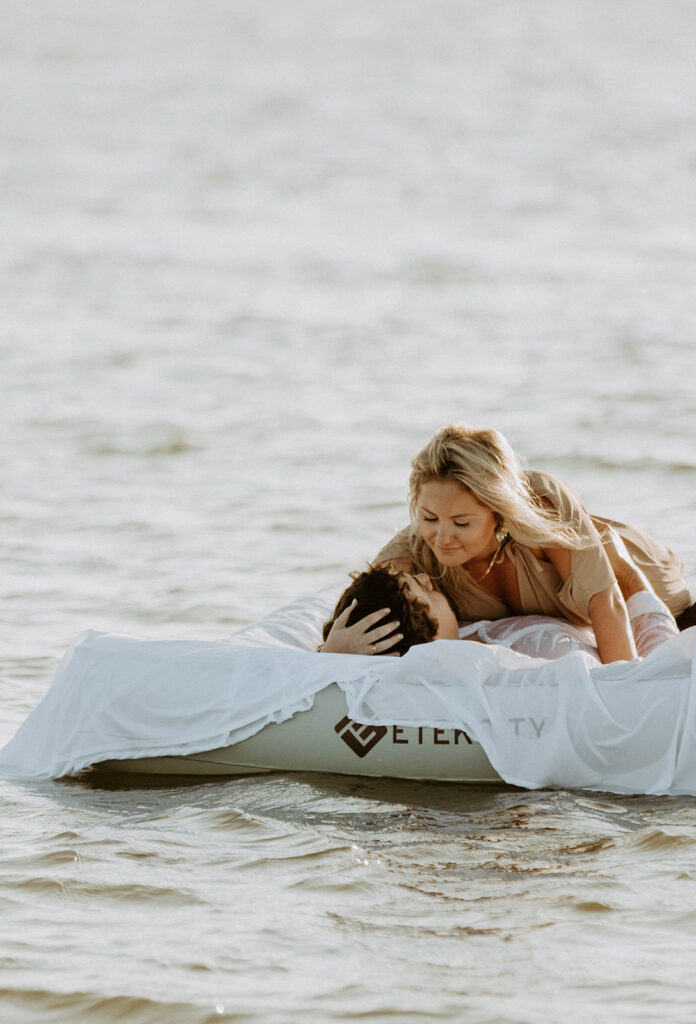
546, 486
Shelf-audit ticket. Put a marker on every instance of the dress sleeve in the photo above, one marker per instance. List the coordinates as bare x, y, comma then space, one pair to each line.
590, 570
398, 547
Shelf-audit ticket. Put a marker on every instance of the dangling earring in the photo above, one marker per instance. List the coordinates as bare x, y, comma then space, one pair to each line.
501, 532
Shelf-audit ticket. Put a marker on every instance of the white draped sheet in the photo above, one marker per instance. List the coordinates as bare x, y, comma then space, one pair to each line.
550, 717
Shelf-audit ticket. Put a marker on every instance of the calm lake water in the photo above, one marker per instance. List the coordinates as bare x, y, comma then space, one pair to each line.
251, 257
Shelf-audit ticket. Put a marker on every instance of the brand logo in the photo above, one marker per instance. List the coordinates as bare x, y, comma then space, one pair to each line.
360, 738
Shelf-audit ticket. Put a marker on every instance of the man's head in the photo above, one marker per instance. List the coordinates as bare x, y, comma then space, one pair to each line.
423, 613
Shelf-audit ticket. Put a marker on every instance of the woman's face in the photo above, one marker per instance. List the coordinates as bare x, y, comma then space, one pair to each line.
421, 587
454, 525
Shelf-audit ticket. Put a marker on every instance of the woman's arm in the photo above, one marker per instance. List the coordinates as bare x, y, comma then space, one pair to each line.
611, 626
398, 565
629, 577
608, 614
396, 554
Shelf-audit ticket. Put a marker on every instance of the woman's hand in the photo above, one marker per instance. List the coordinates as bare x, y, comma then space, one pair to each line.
362, 637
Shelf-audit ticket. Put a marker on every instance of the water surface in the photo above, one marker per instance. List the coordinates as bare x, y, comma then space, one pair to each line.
251, 257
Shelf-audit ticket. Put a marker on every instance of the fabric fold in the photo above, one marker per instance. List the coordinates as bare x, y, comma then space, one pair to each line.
535, 696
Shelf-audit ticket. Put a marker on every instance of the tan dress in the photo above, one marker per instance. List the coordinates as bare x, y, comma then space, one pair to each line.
542, 591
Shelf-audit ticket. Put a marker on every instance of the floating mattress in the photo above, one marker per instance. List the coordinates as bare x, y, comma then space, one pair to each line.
531, 705
326, 739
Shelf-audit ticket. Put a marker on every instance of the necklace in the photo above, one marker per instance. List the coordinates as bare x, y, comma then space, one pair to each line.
494, 561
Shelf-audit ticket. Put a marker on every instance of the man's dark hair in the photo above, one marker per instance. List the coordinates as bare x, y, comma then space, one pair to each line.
378, 588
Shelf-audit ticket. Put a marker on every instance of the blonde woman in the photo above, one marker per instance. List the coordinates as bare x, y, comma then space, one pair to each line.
499, 541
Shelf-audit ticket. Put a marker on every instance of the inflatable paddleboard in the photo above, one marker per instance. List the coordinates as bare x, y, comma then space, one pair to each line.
324, 739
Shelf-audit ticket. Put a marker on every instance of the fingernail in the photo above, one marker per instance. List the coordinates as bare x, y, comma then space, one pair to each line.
399, 636
397, 623
387, 610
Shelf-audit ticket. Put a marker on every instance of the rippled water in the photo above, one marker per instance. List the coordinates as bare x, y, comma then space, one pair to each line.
251, 256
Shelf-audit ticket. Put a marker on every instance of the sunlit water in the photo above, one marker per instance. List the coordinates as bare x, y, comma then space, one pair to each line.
252, 255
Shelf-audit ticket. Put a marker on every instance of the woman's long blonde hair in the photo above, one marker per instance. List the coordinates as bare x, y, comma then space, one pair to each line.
482, 461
